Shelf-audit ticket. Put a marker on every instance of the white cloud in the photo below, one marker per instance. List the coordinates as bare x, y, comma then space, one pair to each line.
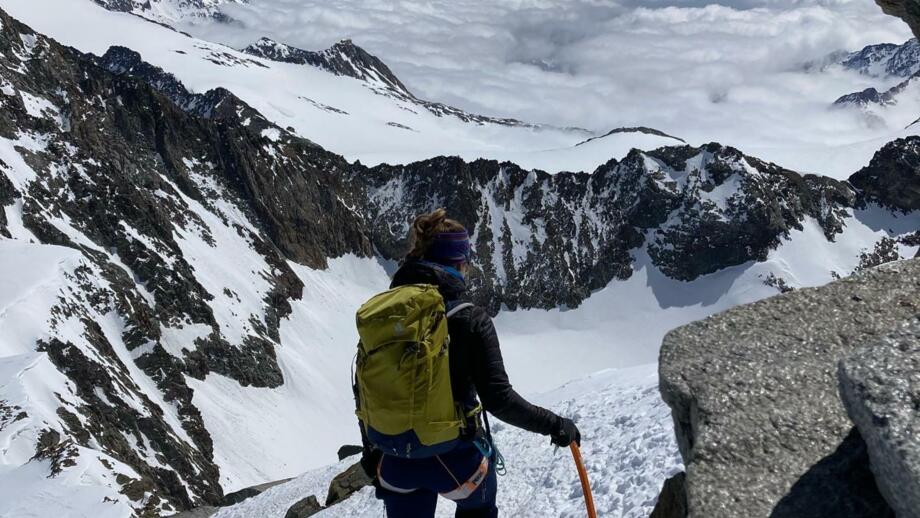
729, 72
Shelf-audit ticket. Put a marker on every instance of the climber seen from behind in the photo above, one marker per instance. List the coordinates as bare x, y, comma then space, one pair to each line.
426, 359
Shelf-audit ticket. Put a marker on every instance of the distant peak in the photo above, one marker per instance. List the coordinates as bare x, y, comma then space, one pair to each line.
636, 129
344, 58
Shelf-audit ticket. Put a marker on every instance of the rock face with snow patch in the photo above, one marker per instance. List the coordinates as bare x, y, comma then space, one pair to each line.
542, 240
342, 59
886, 59
892, 179
880, 387
754, 397
146, 190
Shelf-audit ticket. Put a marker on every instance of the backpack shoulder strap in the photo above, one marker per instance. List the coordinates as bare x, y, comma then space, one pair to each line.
454, 309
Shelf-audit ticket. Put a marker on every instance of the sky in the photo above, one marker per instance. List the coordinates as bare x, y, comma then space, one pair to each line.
732, 71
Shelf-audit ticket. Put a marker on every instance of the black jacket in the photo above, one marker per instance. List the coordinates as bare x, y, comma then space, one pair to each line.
476, 365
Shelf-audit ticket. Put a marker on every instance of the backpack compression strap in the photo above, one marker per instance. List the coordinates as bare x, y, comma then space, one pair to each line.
459, 307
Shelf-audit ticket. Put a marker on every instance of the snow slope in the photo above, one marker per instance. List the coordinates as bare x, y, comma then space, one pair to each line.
32, 390
342, 114
622, 324
264, 434
628, 447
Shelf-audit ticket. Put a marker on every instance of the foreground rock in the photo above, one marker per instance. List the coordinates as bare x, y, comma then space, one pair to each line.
754, 396
907, 10
672, 502
304, 508
346, 484
880, 387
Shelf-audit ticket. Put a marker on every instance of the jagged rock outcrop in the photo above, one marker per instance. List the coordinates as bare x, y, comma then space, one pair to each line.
754, 396
342, 59
907, 10
892, 178
880, 387
697, 209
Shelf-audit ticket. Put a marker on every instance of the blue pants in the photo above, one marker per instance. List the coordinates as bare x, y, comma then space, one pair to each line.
409, 488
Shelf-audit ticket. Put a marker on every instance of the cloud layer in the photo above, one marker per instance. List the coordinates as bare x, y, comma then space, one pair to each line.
730, 72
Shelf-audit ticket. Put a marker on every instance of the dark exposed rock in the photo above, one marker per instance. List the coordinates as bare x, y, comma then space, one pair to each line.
672, 502
348, 450
778, 282
892, 178
880, 387
249, 492
754, 398
296, 215
884, 251
907, 10
304, 508
7, 194
51, 447
346, 484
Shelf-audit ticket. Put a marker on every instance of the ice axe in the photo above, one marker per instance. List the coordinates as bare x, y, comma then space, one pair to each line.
585, 484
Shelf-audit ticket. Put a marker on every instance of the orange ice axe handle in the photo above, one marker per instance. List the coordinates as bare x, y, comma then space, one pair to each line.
585, 484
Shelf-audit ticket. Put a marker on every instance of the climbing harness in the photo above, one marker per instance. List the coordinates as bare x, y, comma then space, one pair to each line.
585, 484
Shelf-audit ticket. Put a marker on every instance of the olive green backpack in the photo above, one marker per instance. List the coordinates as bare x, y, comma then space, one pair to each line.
403, 389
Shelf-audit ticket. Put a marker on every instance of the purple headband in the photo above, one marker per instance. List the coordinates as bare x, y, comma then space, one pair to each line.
450, 248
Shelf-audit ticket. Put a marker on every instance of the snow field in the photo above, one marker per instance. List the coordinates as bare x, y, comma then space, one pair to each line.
627, 444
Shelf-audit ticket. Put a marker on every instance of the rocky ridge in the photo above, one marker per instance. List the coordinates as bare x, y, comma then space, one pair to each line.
886, 59
872, 97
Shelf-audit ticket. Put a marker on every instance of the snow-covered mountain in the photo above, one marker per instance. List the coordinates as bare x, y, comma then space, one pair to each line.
170, 11
885, 62
347, 59
356, 118
181, 268
886, 59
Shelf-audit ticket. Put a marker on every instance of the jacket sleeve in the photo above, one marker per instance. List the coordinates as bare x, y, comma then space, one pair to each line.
494, 388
